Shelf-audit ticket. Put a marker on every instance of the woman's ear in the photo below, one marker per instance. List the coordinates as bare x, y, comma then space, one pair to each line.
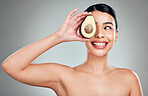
116, 36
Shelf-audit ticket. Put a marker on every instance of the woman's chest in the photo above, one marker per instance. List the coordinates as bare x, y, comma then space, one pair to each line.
92, 86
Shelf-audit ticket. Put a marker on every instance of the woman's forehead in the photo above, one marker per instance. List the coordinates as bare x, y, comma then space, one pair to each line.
102, 17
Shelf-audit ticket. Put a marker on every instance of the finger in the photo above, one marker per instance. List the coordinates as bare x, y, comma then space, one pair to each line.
71, 13
80, 19
82, 39
78, 23
76, 16
79, 34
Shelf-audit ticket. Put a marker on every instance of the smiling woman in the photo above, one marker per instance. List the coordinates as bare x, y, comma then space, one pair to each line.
95, 77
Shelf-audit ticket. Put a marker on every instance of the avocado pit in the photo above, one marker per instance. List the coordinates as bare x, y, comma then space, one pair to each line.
88, 28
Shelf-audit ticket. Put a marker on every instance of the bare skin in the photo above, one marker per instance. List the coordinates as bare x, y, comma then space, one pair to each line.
95, 77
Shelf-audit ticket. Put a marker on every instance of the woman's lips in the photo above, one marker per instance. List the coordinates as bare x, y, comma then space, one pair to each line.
99, 44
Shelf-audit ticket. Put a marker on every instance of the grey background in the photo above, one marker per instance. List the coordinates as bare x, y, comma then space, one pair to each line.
23, 22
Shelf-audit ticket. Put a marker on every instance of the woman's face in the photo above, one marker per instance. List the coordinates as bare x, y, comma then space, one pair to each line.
106, 34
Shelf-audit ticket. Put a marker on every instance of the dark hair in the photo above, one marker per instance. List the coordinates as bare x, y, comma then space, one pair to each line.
103, 8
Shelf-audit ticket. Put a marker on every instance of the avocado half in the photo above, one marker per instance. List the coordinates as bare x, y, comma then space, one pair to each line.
88, 27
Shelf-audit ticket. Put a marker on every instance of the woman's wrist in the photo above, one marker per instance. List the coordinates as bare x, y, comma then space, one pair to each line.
59, 36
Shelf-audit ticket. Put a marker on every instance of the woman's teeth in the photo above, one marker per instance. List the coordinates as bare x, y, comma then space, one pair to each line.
99, 44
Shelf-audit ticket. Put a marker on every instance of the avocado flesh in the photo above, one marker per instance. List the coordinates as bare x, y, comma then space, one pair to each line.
88, 27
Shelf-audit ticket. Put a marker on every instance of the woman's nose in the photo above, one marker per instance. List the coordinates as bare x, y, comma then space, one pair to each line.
99, 33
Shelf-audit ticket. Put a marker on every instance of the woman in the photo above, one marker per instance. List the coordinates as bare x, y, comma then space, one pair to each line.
95, 77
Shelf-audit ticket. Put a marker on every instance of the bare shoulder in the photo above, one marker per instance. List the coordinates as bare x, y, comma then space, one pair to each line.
132, 79
124, 74
127, 73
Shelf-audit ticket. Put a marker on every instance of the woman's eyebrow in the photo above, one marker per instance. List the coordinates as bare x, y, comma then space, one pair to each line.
107, 23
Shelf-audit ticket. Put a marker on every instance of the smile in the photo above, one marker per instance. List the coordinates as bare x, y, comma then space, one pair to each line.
99, 44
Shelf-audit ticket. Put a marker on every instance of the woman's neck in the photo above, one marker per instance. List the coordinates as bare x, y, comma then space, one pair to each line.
96, 64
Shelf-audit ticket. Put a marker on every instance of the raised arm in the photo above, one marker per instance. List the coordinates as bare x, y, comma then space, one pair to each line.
19, 66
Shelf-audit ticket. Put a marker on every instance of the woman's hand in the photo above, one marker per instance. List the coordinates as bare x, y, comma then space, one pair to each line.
68, 30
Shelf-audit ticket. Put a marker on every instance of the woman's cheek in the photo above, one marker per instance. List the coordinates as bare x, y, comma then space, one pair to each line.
110, 36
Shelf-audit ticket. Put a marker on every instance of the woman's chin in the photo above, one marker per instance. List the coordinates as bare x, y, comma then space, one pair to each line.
99, 53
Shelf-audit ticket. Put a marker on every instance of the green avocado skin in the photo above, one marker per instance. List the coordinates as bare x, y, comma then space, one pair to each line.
80, 28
